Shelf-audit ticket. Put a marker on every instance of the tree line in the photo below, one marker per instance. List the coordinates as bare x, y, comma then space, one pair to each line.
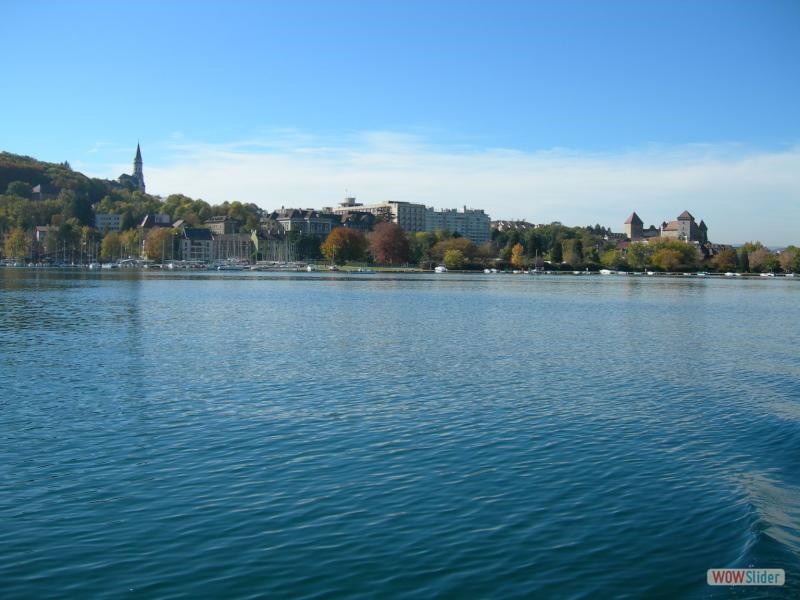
68, 200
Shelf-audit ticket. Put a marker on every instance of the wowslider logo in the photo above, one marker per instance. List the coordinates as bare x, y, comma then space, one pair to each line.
746, 577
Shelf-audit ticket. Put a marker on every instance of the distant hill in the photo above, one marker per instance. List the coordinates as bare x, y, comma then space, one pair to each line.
52, 177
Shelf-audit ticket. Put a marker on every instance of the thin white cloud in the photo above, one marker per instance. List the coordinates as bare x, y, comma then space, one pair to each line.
741, 194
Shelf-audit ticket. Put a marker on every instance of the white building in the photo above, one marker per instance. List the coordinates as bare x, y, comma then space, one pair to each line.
412, 217
470, 223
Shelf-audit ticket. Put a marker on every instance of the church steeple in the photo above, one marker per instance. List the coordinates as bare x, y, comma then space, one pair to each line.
138, 173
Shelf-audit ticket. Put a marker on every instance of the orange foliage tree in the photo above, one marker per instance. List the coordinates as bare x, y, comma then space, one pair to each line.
343, 244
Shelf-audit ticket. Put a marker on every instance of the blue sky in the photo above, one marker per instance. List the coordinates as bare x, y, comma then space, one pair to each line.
580, 111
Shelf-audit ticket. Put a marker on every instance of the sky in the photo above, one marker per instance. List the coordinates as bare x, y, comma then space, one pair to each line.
579, 111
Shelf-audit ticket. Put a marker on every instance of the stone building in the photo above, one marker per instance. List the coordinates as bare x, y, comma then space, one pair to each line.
684, 228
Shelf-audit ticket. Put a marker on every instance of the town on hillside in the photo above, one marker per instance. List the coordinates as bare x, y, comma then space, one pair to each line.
51, 215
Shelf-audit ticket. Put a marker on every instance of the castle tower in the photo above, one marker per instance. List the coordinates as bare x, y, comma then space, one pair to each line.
138, 174
633, 227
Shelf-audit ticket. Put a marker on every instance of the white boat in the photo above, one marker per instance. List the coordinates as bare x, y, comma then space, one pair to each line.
487, 271
606, 272
95, 265
440, 269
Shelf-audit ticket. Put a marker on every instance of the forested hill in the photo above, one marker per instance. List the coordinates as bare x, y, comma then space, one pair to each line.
52, 177
70, 197
63, 194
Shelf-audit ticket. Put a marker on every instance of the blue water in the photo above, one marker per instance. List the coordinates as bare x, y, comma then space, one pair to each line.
245, 435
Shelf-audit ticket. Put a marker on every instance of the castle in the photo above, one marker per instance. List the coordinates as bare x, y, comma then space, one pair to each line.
684, 228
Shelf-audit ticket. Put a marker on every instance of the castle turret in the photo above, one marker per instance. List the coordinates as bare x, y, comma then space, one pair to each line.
633, 227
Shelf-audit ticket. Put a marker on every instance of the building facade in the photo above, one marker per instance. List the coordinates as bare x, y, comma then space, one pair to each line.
195, 244
223, 225
107, 221
306, 221
413, 217
470, 223
685, 229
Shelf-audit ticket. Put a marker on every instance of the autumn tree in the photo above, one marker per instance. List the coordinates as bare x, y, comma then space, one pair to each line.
343, 244
111, 246
17, 243
725, 261
159, 243
463, 245
612, 259
790, 259
759, 259
129, 242
518, 256
389, 244
666, 259
674, 255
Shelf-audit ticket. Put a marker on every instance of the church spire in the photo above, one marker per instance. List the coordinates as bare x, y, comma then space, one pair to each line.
138, 173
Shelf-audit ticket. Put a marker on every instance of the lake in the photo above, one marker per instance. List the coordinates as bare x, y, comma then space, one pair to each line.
183, 435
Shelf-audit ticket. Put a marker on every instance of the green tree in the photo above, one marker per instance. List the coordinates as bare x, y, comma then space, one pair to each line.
454, 259
534, 244
572, 252
420, 244
638, 255
127, 220
462, 244
556, 255
743, 260
612, 259
77, 206
19, 188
